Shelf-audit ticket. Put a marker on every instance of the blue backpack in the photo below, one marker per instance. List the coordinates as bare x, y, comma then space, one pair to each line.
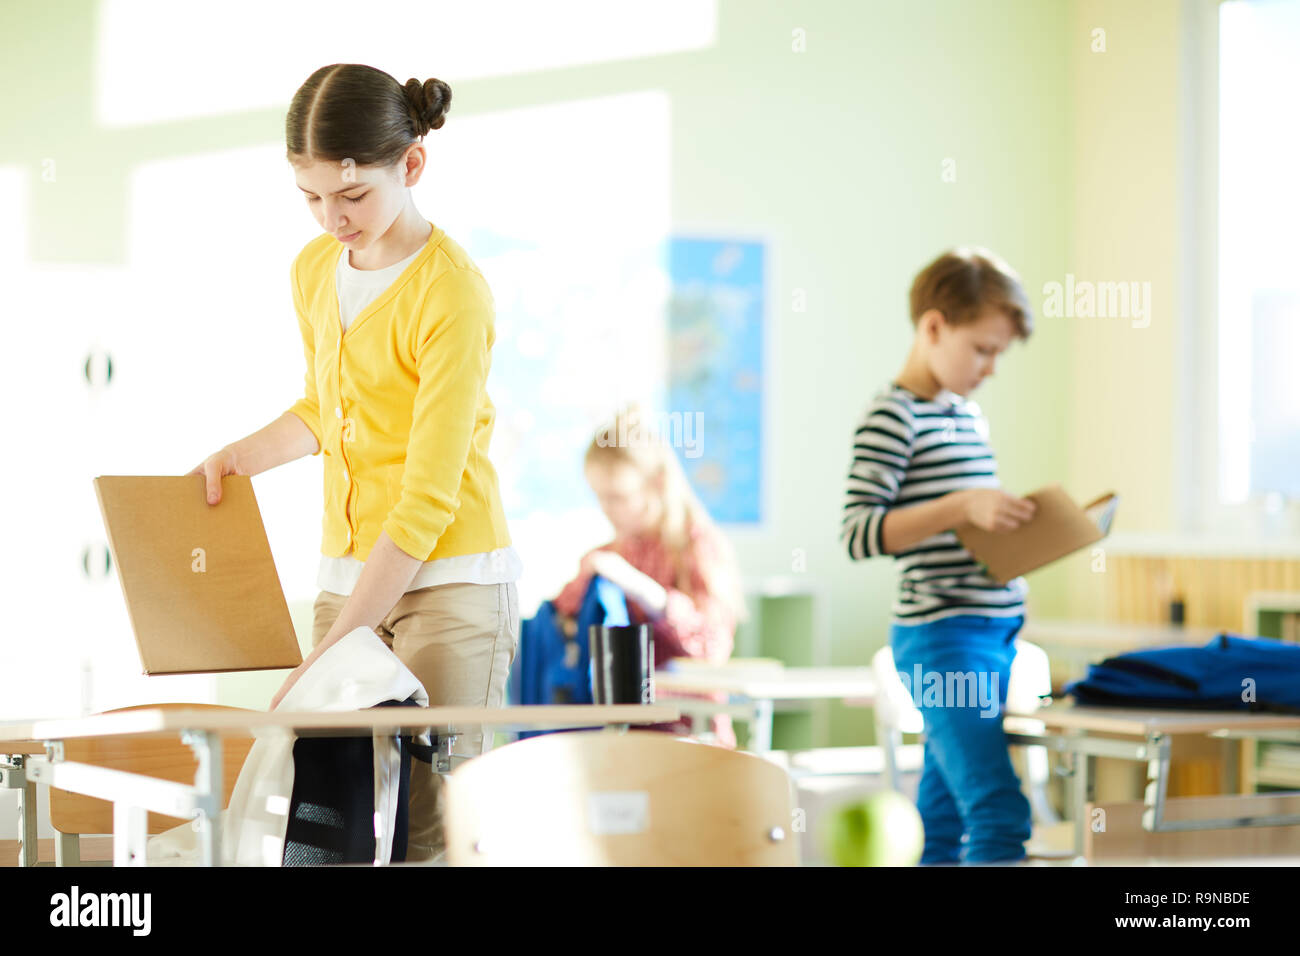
1229, 673
553, 668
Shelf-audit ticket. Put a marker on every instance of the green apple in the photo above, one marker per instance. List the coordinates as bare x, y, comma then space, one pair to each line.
882, 830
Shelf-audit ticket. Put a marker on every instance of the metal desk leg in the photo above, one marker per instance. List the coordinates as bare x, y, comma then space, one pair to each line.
1153, 796
446, 746
67, 849
889, 739
130, 834
13, 776
27, 853
206, 745
1080, 794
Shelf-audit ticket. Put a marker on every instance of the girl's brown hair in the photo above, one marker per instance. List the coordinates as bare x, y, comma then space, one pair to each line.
961, 283
682, 510
349, 111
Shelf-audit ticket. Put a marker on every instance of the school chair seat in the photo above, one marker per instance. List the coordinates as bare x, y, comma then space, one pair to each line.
73, 815
1030, 679
605, 798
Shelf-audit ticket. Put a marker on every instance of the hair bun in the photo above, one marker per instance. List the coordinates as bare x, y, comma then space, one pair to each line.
427, 104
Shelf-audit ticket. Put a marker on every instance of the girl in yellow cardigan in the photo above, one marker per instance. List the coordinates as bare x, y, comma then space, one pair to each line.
398, 326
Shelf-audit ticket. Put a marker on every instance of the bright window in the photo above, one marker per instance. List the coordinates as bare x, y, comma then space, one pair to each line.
1258, 251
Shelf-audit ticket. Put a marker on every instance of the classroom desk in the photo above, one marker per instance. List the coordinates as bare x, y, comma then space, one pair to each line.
35, 755
1088, 732
752, 691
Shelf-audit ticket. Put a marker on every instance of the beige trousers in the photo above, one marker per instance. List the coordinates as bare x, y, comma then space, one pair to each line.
459, 640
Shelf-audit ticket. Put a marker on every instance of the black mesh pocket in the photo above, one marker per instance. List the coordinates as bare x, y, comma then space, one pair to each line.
332, 810
331, 814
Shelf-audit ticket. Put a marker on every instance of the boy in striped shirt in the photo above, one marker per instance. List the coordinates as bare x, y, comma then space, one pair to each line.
921, 467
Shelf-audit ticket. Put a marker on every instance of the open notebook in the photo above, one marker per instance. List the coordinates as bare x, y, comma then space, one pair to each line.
1058, 527
200, 584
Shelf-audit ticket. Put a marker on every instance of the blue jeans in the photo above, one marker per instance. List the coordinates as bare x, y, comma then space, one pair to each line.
957, 670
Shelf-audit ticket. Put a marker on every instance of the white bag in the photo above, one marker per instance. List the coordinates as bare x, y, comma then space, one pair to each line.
356, 672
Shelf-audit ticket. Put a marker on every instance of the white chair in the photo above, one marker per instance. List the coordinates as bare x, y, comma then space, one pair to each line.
895, 715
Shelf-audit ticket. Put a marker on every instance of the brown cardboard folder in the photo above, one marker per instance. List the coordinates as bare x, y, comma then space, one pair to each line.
201, 587
1058, 527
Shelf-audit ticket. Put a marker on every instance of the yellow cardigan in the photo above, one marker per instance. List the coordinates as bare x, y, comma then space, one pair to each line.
407, 419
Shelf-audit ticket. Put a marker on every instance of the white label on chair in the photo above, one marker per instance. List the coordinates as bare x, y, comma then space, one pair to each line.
618, 812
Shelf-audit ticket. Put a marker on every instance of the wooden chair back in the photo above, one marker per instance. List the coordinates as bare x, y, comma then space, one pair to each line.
602, 798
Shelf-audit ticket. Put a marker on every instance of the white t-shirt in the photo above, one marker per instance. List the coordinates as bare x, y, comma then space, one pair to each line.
357, 288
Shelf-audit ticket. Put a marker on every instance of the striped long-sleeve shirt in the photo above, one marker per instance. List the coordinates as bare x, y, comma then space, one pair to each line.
906, 450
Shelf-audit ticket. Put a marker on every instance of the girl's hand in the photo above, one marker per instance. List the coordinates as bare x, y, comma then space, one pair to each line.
289, 682
216, 467
994, 510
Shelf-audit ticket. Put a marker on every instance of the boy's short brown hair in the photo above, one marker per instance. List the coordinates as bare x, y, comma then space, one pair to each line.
961, 283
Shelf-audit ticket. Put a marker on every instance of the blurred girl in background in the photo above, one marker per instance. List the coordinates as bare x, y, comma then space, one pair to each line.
678, 570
